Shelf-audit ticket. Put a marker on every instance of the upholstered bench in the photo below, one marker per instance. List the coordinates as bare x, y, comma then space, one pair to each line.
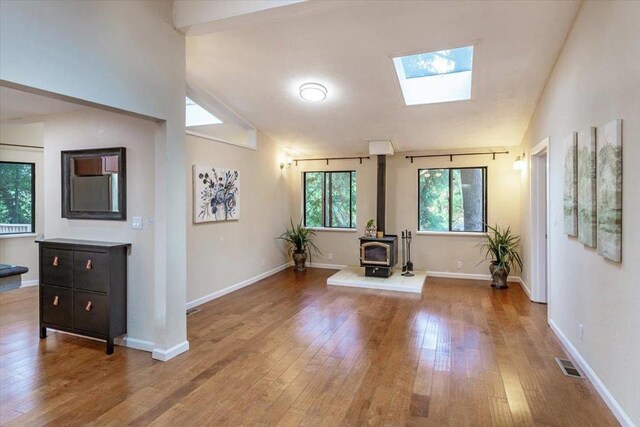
10, 276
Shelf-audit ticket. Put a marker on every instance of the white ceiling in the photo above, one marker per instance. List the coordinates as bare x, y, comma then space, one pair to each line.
256, 69
19, 105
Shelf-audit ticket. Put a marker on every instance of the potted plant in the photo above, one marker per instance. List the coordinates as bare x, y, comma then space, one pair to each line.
501, 247
301, 242
370, 231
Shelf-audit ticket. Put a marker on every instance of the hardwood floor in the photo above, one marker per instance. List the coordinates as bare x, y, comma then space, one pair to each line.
292, 351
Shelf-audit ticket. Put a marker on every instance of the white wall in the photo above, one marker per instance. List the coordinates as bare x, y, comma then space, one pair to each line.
436, 253
338, 247
442, 252
223, 254
127, 56
596, 79
22, 250
97, 129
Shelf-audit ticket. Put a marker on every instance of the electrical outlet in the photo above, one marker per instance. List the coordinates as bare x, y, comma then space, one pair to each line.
580, 330
329, 256
136, 223
150, 221
459, 265
263, 262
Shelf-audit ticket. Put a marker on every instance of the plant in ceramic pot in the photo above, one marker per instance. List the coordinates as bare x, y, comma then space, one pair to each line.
371, 229
301, 242
501, 247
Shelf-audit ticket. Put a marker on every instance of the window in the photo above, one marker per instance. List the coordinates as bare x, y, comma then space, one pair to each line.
431, 77
195, 115
330, 199
17, 197
452, 199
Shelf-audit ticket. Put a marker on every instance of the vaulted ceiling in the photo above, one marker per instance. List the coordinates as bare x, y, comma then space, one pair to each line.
256, 68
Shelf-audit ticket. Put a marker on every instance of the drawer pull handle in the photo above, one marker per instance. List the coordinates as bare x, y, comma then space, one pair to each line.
55, 300
89, 306
55, 261
89, 266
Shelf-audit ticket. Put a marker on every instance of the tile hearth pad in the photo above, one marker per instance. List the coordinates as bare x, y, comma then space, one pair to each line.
354, 277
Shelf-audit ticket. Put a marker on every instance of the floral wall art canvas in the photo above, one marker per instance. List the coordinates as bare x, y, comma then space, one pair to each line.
609, 194
587, 187
216, 194
570, 202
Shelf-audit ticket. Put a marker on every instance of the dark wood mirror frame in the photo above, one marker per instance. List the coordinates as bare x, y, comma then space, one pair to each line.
68, 156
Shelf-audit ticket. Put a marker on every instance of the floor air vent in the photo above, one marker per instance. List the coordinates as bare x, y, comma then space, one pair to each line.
568, 368
192, 311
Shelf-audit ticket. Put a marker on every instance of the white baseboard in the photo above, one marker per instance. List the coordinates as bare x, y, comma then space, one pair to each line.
328, 266
122, 341
135, 343
170, 353
55, 331
239, 285
29, 283
524, 287
608, 398
467, 276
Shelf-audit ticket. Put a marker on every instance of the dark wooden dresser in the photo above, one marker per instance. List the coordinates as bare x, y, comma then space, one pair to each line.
83, 288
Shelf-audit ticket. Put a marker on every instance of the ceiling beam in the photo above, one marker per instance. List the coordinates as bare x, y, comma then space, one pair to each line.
194, 16
197, 17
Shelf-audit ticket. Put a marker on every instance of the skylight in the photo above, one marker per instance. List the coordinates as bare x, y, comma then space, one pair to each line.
442, 76
198, 116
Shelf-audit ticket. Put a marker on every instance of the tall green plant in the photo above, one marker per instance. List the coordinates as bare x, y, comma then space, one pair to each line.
300, 238
501, 247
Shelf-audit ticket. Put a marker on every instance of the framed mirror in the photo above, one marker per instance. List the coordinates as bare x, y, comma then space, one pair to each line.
94, 184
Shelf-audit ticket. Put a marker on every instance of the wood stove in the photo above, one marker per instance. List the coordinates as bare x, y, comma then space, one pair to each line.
378, 255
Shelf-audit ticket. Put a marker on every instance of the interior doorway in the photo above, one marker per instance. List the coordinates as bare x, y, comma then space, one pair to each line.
539, 180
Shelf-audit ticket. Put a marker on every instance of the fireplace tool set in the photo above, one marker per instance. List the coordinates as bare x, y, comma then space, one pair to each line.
407, 267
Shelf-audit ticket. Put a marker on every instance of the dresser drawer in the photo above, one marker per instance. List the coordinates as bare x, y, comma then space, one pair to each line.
57, 306
57, 267
90, 271
90, 312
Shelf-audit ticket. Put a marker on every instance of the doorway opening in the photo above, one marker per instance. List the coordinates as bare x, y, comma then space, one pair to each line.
539, 181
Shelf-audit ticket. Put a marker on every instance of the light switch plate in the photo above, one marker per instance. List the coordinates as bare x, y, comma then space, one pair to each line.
136, 223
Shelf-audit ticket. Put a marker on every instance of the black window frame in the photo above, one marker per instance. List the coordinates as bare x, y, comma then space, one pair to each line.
352, 175
33, 197
484, 202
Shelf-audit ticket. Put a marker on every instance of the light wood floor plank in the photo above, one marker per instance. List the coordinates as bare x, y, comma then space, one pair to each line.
291, 351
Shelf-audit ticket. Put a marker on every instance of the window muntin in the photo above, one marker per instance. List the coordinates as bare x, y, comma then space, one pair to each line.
433, 77
17, 198
452, 199
330, 199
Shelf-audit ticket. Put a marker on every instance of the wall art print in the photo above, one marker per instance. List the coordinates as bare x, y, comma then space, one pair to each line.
587, 187
609, 194
570, 195
216, 194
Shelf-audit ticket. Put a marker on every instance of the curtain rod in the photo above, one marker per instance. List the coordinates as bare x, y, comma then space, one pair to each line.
327, 159
452, 155
18, 145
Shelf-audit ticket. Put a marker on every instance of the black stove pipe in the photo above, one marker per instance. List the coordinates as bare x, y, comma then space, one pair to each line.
381, 193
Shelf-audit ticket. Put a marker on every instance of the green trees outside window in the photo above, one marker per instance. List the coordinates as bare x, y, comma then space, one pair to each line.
452, 199
330, 199
17, 198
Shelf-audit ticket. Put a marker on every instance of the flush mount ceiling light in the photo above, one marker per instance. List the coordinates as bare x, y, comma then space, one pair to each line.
313, 92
